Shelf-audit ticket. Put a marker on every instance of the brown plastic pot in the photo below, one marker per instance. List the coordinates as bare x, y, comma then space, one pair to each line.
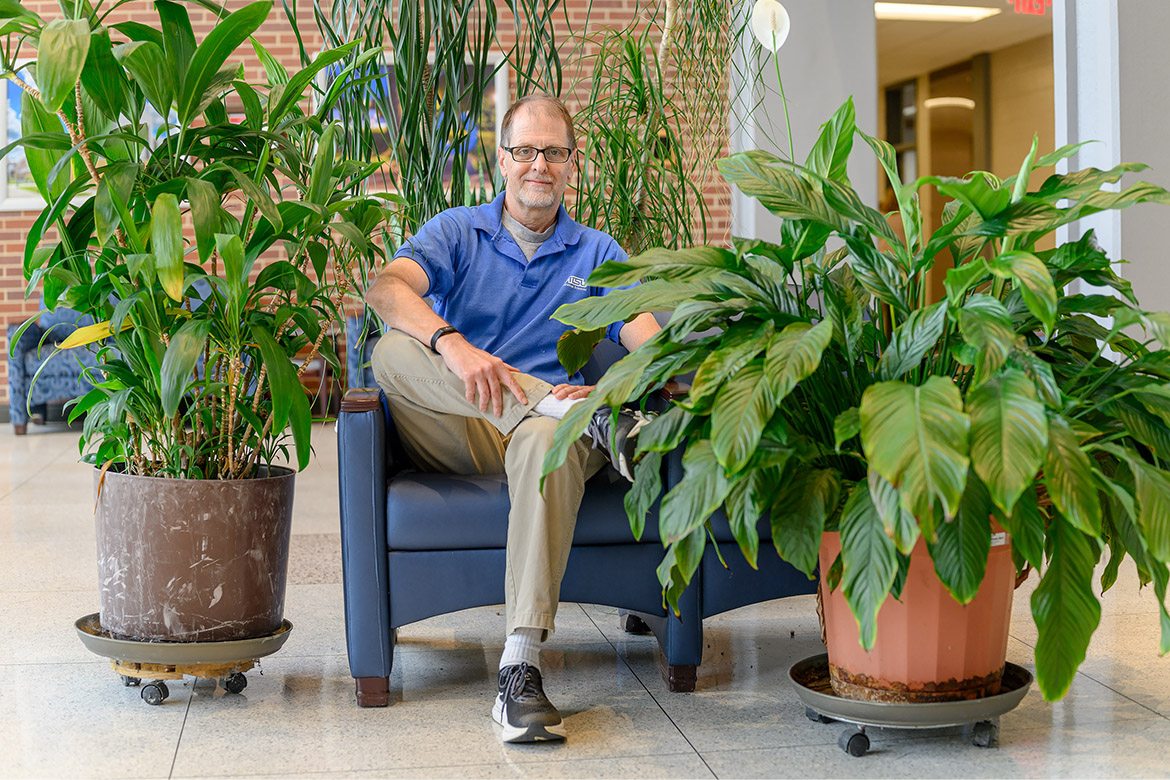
192, 560
928, 646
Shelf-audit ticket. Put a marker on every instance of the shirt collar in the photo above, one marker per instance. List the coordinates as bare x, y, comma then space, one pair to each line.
489, 218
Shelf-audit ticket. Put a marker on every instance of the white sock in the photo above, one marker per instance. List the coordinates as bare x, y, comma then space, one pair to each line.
557, 408
522, 646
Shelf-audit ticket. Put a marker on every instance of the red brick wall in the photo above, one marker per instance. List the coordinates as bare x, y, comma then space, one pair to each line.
277, 37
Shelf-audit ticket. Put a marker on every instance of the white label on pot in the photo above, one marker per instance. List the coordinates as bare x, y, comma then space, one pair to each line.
999, 539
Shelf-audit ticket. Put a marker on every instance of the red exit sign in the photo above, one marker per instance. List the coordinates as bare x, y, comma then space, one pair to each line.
1034, 7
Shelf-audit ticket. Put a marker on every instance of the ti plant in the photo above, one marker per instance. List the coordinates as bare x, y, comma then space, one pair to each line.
830, 394
162, 240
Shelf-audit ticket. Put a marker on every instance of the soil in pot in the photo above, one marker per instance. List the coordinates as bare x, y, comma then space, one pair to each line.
929, 647
192, 560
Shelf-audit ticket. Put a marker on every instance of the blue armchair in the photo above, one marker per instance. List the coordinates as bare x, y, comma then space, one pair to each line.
61, 379
416, 545
360, 340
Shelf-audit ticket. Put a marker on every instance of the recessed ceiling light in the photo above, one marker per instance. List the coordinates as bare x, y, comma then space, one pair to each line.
949, 102
922, 12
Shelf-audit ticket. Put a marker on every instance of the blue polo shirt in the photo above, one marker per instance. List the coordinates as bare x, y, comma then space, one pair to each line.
502, 303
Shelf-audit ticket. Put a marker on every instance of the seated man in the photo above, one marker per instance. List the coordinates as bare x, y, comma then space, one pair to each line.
474, 383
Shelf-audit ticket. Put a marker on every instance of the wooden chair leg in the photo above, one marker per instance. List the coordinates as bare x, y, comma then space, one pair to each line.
372, 691
679, 678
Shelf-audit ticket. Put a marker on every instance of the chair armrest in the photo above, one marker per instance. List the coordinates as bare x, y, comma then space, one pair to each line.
362, 473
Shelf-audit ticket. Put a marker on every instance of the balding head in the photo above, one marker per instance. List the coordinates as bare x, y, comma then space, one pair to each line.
546, 104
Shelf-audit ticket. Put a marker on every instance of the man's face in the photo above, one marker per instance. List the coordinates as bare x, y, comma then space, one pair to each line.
538, 184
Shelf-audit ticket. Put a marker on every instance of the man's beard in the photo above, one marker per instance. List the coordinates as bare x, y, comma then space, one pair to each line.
536, 199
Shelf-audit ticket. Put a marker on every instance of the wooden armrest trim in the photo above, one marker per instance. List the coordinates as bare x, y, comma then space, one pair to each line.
360, 399
674, 390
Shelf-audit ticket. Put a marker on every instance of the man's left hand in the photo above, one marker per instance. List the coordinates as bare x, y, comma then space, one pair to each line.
561, 392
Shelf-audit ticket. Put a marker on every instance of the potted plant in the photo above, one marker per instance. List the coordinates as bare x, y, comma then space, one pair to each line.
831, 395
209, 249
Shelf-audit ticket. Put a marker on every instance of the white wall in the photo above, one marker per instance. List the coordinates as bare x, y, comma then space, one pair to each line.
830, 54
1110, 59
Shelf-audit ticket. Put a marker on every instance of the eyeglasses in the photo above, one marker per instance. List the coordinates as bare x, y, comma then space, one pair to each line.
552, 154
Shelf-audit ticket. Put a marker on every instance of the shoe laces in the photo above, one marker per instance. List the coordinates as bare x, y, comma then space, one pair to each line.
520, 684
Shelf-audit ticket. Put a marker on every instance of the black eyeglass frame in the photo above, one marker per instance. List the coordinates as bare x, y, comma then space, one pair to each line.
512, 151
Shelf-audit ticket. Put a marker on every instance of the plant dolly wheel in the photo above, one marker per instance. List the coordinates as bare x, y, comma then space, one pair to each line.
979, 717
149, 665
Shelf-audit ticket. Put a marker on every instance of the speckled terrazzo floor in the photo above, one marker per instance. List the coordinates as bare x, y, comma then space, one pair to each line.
63, 712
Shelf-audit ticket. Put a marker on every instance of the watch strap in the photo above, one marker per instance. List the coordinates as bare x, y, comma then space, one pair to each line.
438, 334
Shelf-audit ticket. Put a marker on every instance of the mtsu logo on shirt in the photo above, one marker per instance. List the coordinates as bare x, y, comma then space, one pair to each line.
576, 282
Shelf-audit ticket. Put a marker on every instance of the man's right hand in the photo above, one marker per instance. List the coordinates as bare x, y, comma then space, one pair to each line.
482, 373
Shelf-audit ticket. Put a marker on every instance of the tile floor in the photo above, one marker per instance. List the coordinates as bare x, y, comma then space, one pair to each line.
63, 712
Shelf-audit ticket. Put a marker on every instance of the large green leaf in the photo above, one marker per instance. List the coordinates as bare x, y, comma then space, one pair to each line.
258, 197
575, 347
960, 553
644, 492
666, 431
979, 191
1009, 436
321, 177
61, 54
830, 153
1026, 525
295, 88
1153, 494
166, 239
794, 354
178, 37
845, 302
900, 524
805, 501
212, 53
699, 493
35, 120
745, 504
783, 192
869, 562
879, 275
119, 178
103, 78
623, 305
678, 265
1065, 609
987, 326
1068, 474
964, 277
205, 209
742, 409
916, 438
739, 345
911, 341
1034, 281
147, 64
290, 403
179, 362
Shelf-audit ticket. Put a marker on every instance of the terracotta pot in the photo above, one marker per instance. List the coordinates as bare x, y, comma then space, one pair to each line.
192, 560
928, 646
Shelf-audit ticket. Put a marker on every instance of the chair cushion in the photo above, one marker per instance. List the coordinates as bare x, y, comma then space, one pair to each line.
62, 322
457, 512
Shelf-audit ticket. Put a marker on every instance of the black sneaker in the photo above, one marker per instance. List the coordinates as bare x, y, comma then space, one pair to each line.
617, 440
522, 708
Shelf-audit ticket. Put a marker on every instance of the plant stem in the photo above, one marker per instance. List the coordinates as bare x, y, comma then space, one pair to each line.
783, 100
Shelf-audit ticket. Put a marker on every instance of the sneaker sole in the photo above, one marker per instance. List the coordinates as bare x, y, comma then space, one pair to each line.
519, 734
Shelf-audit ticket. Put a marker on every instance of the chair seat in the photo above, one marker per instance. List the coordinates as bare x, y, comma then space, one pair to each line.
457, 512
470, 512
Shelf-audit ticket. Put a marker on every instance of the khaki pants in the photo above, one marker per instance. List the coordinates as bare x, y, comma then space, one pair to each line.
444, 433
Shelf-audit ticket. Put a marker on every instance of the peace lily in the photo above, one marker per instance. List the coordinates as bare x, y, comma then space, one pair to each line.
771, 25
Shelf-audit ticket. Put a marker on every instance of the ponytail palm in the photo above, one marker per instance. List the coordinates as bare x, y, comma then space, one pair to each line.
830, 394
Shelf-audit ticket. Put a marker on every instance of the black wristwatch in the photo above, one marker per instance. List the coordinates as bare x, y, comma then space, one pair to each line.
443, 331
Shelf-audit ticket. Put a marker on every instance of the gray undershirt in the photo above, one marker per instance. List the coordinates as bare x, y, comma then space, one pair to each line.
528, 240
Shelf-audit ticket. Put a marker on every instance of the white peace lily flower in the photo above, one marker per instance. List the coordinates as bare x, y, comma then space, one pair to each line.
770, 24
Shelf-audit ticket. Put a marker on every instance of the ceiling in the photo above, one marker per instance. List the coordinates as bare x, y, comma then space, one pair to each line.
907, 49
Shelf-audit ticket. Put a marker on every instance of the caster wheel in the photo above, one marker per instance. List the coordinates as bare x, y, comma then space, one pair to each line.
130, 682
985, 734
815, 716
235, 682
155, 692
854, 742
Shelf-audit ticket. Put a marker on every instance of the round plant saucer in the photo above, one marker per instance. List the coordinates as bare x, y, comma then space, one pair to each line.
136, 660
810, 677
